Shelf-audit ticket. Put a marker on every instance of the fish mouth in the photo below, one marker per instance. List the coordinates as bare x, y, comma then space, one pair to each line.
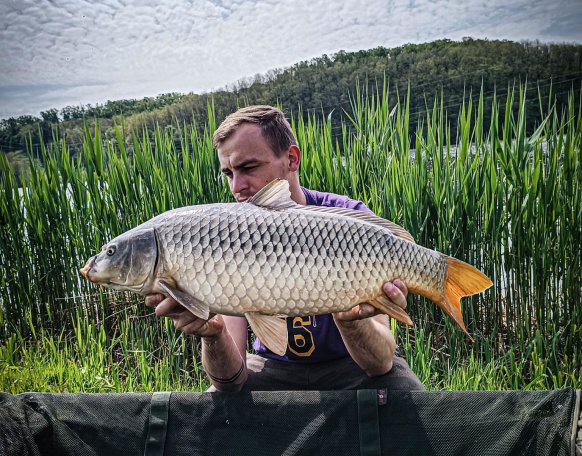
86, 270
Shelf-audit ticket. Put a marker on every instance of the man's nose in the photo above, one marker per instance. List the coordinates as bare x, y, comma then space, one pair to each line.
238, 183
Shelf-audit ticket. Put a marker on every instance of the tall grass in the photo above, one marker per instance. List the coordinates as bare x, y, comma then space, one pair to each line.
507, 202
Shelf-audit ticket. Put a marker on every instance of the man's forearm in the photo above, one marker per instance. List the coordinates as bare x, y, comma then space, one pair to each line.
370, 343
223, 363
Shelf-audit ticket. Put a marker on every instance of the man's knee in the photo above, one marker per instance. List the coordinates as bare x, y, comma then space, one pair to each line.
400, 377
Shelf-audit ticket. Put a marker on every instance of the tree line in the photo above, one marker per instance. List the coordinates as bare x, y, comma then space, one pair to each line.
446, 70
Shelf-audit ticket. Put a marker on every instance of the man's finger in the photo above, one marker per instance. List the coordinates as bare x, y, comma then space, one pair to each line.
203, 328
401, 286
366, 311
167, 307
395, 294
188, 320
153, 300
197, 327
176, 313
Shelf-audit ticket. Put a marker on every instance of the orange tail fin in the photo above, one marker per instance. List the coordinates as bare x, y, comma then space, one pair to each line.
462, 280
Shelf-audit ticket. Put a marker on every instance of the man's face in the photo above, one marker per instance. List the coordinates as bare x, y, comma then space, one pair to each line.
249, 163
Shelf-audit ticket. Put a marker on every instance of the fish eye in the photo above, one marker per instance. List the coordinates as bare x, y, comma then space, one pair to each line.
110, 250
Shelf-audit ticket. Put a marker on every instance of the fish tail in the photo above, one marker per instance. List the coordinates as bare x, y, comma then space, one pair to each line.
462, 279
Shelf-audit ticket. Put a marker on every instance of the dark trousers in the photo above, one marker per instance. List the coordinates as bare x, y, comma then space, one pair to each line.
265, 374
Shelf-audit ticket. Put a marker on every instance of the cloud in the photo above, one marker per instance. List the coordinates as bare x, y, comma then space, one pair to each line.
74, 51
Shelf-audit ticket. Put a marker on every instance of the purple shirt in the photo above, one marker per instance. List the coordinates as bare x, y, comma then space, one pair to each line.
314, 338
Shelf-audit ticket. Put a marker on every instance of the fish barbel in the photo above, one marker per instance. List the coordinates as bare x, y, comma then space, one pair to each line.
270, 256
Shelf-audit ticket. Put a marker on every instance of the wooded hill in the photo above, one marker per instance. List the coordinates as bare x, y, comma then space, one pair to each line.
453, 70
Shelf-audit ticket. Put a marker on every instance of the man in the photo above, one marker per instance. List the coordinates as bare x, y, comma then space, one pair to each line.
346, 350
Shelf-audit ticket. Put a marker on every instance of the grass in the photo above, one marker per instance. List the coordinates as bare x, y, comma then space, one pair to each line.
505, 200
88, 362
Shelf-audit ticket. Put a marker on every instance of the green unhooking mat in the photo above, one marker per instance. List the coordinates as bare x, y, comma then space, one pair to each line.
365, 422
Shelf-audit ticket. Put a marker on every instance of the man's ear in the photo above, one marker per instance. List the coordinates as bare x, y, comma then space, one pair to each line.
294, 154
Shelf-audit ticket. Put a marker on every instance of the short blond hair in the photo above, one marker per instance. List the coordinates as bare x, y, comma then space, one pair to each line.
274, 126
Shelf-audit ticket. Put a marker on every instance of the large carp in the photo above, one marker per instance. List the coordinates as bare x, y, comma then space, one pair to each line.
270, 256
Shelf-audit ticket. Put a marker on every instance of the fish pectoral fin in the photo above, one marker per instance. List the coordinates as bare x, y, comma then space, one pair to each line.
197, 307
270, 329
384, 305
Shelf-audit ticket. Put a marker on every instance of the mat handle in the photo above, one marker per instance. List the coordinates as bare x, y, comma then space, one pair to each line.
368, 423
158, 424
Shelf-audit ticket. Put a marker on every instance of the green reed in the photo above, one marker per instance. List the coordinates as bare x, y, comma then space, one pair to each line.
506, 201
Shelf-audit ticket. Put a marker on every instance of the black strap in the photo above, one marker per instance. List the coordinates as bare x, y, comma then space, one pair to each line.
577, 424
368, 423
158, 424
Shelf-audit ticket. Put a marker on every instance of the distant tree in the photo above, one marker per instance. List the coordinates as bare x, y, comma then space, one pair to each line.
50, 117
72, 112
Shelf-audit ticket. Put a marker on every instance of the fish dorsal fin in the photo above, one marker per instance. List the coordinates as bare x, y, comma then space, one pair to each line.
395, 229
270, 329
274, 195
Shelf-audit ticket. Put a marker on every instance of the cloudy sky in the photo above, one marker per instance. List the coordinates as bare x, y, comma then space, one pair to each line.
56, 53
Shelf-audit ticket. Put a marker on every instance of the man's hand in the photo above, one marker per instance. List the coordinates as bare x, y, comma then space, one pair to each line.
396, 292
183, 319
